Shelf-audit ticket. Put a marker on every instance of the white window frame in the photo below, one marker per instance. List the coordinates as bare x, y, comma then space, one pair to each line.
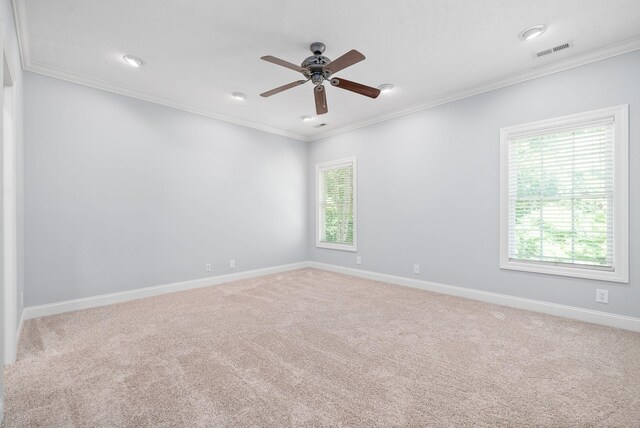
333, 245
620, 272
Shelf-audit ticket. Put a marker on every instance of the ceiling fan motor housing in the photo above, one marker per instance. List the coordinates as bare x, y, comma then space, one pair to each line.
315, 68
315, 64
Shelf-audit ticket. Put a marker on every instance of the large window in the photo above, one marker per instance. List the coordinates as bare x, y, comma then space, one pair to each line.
336, 204
564, 196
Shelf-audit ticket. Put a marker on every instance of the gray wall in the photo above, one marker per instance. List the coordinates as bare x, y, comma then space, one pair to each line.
122, 194
428, 186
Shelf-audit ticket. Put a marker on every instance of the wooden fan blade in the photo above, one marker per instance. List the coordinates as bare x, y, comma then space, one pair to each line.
346, 60
283, 63
321, 99
283, 88
358, 88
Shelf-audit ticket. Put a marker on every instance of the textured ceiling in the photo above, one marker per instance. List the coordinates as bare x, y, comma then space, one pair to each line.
197, 53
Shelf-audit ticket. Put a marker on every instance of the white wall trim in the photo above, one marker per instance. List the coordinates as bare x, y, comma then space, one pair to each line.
571, 312
619, 115
352, 160
22, 32
586, 58
580, 314
551, 68
20, 18
125, 296
106, 86
9, 205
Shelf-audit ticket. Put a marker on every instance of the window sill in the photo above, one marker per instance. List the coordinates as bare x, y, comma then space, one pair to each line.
333, 246
601, 275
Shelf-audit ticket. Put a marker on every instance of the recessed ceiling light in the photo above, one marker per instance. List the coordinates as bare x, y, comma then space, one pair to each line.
133, 61
239, 96
306, 118
387, 87
532, 32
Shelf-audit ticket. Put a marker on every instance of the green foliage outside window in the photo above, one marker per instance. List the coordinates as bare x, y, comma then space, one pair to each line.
337, 205
563, 198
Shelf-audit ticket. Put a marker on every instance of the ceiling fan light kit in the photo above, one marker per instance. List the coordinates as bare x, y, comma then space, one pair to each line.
319, 68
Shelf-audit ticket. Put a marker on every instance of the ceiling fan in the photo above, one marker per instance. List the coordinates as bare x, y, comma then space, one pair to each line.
319, 68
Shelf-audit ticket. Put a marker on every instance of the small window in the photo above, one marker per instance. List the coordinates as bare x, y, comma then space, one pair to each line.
564, 196
336, 204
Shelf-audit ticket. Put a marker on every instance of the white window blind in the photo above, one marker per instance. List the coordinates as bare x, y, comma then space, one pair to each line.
564, 199
336, 204
561, 195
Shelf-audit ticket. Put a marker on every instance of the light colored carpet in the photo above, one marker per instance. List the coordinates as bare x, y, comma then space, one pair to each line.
311, 348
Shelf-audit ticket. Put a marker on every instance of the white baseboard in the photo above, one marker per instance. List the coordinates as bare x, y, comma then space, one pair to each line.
587, 315
124, 296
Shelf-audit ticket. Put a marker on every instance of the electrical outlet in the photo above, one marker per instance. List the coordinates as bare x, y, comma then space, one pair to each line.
602, 296
358, 260
207, 267
232, 264
22, 299
416, 269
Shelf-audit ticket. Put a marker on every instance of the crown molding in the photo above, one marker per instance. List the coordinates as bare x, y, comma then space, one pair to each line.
20, 19
22, 32
554, 67
28, 64
105, 86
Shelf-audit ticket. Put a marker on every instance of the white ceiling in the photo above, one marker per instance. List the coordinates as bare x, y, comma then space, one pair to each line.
197, 52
